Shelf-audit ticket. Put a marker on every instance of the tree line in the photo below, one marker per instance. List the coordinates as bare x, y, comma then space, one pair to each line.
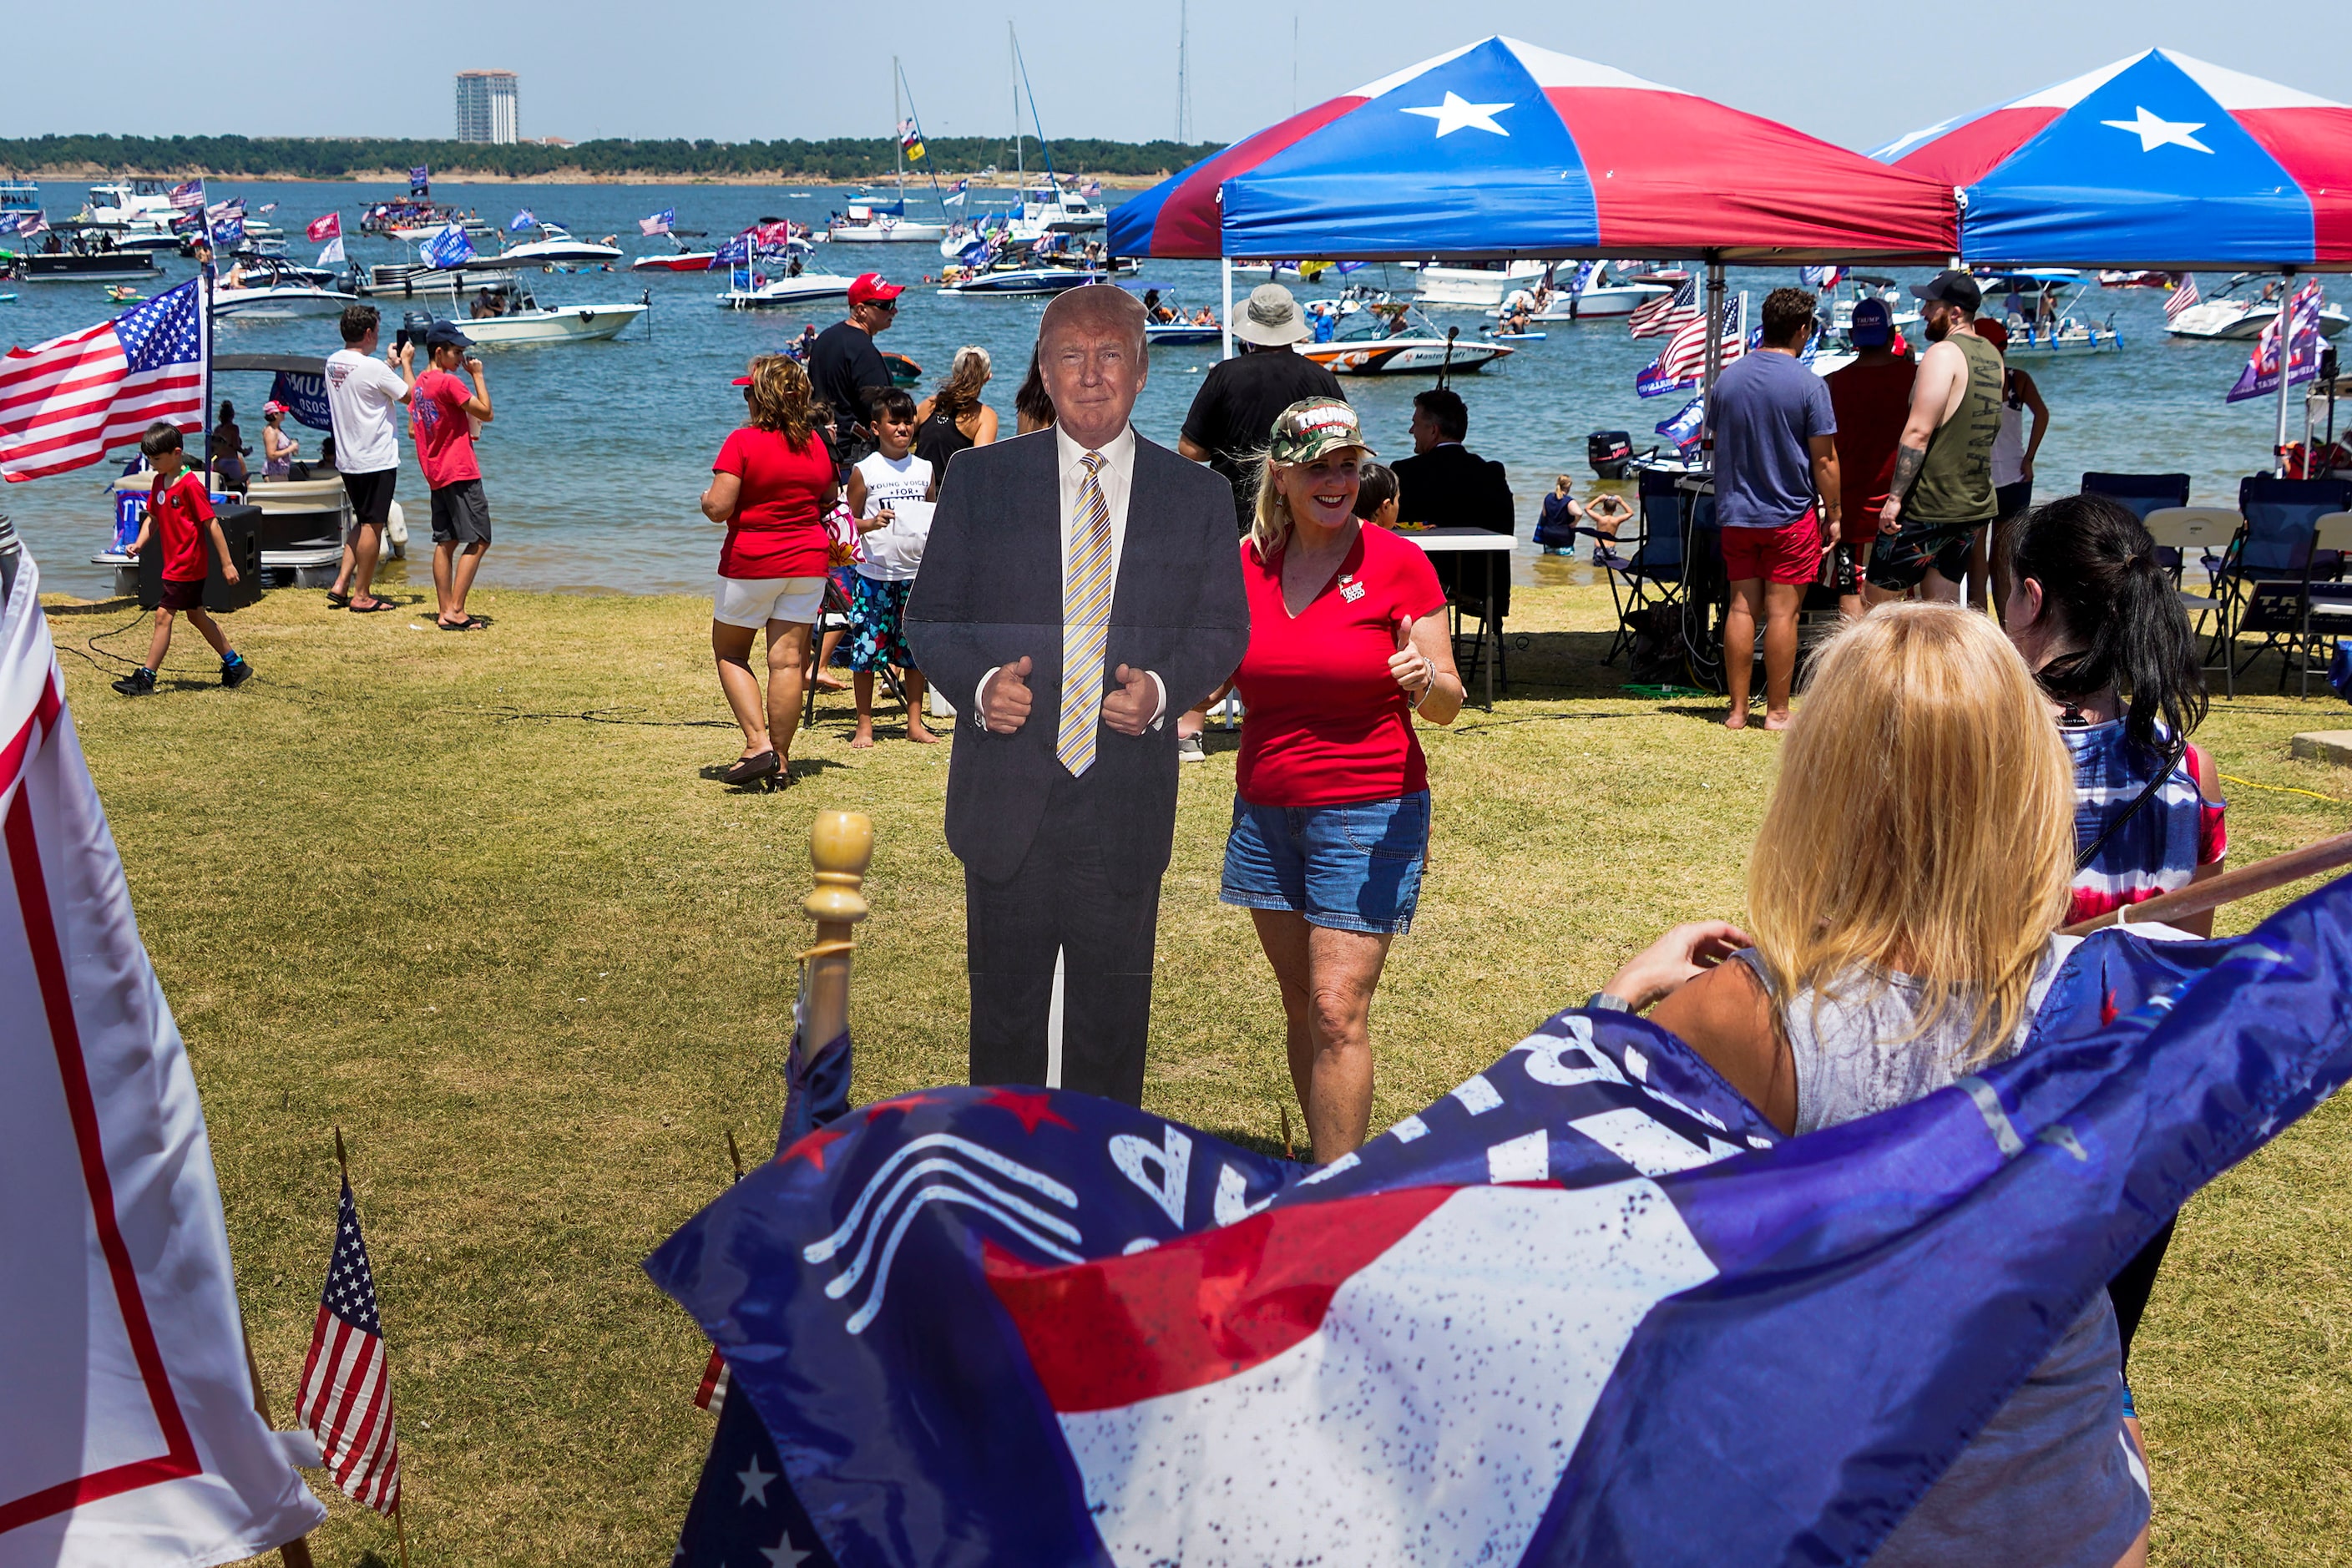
838, 158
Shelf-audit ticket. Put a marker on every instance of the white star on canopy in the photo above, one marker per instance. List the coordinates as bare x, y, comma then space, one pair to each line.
755, 1483
2153, 133
1453, 115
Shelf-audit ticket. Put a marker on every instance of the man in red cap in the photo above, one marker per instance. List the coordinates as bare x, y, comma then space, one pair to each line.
846, 369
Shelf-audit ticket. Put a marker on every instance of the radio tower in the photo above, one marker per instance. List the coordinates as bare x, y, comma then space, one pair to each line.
1184, 75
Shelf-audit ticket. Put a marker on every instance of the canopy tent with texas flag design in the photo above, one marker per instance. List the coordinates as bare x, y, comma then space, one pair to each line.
1503, 149
2158, 160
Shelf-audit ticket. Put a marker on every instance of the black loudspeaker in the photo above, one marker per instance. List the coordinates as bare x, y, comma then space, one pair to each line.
239, 525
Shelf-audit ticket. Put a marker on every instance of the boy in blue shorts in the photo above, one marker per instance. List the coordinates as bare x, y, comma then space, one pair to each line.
886, 496
179, 514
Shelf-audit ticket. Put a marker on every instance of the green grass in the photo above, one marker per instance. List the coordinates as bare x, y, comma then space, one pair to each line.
471, 899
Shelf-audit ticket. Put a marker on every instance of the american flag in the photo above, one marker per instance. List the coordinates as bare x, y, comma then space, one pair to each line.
346, 1397
659, 222
64, 402
712, 1393
1684, 358
189, 196
32, 223
1667, 312
2182, 296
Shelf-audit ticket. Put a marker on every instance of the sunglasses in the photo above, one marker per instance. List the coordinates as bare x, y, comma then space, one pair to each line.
883, 304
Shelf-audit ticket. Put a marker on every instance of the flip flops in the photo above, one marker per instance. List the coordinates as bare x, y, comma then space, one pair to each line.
470, 624
338, 601
372, 607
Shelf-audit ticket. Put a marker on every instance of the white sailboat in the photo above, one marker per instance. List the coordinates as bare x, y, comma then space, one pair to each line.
872, 222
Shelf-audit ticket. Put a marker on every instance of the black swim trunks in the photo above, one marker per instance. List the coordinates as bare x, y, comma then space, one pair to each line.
1897, 564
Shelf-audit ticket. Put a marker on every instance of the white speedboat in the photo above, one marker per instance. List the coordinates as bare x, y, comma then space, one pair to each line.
279, 300
862, 225
751, 293
129, 202
1478, 284
1604, 296
555, 247
1019, 280
2229, 317
536, 323
414, 279
1403, 355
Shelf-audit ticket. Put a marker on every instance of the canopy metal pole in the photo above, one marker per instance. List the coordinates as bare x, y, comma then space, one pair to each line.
2284, 324
1226, 318
1713, 355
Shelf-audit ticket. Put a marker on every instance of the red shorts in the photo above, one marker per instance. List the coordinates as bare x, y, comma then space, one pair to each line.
1788, 554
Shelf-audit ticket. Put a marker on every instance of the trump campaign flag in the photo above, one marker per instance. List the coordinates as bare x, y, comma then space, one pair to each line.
658, 224
1587, 1308
448, 247
322, 229
65, 403
128, 1437
2297, 325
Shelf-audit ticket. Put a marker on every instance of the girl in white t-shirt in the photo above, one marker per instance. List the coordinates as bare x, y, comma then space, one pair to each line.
886, 496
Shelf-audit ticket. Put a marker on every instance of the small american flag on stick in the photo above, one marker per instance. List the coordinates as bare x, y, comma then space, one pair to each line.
1658, 317
712, 1394
346, 1397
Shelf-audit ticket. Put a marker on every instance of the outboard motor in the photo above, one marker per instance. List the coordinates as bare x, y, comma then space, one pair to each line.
1611, 453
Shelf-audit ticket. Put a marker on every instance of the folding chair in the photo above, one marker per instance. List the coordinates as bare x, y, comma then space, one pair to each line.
2207, 529
1653, 574
2144, 494
833, 616
2327, 614
2266, 577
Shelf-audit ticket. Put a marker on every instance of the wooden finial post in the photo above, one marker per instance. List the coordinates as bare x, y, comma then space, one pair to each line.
840, 846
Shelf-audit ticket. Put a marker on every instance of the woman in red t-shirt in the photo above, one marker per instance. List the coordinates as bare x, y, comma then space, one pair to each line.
772, 484
1347, 641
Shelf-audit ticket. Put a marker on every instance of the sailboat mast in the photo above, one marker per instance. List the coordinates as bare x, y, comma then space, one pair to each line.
898, 140
1012, 70
1183, 69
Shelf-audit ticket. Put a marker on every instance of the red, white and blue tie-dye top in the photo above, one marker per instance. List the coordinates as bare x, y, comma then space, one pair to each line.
2161, 844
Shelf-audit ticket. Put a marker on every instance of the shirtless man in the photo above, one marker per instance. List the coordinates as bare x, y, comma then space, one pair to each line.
1941, 492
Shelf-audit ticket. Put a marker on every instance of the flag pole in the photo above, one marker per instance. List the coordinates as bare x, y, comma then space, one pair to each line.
295, 1553
2284, 324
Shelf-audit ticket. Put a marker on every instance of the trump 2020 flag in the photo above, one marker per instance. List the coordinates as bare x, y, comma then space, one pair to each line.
128, 1437
448, 247
658, 224
2297, 324
1587, 1308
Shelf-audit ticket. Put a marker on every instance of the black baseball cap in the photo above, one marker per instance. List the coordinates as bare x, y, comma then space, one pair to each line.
1951, 288
446, 335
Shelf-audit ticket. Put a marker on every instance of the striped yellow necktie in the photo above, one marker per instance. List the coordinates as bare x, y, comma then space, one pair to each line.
1085, 623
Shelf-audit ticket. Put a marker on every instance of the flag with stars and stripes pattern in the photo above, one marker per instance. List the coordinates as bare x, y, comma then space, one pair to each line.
346, 1397
65, 403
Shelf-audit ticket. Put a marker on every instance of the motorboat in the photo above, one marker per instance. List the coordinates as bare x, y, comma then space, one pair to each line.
748, 290
679, 261
1607, 295
1382, 341
2137, 278
69, 265
1018, 279
865, 224
2229, 317
20, 197
2035, 304
556, 248
1478, 284
524, 320
129, 202
268, 293
415, 279
419, 218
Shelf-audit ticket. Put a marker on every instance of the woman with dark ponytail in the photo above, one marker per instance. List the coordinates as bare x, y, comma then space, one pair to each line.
2100, 624
2096, 617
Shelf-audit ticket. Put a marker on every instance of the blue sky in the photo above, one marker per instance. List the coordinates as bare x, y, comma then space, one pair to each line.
1851, 73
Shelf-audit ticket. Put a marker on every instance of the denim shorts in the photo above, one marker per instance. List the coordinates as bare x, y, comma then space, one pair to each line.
1351, 867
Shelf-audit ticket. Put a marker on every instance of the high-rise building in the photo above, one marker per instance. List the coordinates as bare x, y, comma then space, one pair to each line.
485, 106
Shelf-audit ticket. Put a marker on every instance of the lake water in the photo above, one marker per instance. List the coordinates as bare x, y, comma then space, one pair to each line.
600, 450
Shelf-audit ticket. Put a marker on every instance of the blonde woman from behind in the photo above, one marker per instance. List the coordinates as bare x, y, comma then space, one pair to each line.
1902, 891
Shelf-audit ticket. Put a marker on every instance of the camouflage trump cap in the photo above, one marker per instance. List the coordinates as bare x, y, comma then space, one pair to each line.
1309, 428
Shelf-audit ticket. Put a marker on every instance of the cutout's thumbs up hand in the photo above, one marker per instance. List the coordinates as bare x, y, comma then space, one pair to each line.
1128, 710
1004, 705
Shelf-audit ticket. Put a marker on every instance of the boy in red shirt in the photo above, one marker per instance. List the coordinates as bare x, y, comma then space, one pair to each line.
441, 411
179, 513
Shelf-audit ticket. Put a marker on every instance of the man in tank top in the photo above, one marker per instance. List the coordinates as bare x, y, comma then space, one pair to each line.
1942, 489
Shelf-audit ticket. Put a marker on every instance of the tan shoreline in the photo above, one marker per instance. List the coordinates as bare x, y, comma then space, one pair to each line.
567, 177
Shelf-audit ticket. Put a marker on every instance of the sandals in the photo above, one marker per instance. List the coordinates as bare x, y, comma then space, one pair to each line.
372, 608
338, 601
470, 624
754, 772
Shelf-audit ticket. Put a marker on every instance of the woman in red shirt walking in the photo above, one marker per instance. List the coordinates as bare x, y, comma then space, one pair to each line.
1348, 642
772, 484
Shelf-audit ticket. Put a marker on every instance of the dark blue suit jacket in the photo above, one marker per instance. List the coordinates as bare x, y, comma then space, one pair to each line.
990, 591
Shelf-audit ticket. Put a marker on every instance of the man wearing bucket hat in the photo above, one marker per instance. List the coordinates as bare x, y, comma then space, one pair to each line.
1348, 645
1240, 398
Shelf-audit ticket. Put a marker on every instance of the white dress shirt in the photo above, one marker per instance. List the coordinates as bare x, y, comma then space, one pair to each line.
1117, 478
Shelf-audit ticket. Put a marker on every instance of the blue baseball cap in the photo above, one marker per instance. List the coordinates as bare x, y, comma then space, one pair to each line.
446, 335
1874, 324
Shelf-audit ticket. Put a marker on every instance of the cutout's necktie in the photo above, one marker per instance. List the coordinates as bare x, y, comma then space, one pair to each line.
1085, 622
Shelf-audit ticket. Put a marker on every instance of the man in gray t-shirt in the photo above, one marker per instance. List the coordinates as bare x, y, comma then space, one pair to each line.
1775, 496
